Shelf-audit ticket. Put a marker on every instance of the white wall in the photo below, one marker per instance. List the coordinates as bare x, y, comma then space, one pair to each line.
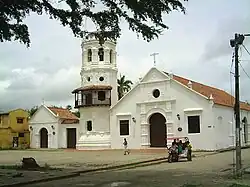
173, 100
225, 128
35, 135
62, 137
43, 119
246, 114
99, 117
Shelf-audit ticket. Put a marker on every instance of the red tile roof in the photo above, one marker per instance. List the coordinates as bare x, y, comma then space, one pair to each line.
220, 96
64, 114
93, 87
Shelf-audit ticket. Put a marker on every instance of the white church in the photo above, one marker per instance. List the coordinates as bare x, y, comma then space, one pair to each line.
159, 108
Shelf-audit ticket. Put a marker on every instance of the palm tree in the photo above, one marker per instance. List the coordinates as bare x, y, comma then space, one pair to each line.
123, 86
69, 107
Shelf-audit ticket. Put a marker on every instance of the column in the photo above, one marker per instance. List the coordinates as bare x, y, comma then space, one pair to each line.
106, 56
95, 57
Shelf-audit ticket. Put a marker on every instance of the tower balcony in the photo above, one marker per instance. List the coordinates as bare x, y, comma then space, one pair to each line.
94, 95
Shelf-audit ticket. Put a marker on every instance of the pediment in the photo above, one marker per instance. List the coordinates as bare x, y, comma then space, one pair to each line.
154, 75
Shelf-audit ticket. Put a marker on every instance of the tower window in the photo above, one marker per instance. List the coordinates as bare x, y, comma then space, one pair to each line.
88, 78
101, 95
101, 79
89, 55
101, 54
89, 125
110, 56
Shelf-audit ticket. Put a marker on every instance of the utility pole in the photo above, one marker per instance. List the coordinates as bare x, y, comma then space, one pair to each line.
236, 42
237, 107
154, 55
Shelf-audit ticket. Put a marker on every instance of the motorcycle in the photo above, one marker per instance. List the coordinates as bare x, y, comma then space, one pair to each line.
173, 155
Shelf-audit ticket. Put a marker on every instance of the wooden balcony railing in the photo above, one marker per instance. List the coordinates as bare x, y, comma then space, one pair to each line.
92, 102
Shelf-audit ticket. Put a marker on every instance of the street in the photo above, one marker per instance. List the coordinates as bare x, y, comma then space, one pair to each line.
211, 170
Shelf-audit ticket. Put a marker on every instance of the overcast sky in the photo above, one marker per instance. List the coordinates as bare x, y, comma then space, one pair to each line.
196, 46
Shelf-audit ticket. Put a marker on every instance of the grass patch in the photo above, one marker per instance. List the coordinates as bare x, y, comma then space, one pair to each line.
239, 185
10, 167
46, 167
190, 185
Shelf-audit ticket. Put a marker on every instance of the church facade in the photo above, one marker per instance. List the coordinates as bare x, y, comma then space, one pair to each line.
159, 108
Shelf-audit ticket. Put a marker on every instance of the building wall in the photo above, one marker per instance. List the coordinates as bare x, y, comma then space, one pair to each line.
99, 117
224, 129
6, 138
225, 126
44, 119
174, 99
10, 128
62, 137
247, 129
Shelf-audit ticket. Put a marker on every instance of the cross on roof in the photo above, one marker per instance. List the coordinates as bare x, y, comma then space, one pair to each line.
154, 55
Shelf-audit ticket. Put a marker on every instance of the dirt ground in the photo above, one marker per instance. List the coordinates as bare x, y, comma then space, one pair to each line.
79, 159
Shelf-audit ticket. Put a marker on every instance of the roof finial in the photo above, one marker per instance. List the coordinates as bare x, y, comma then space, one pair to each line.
154, 55
43, 101
190, 84
211, 97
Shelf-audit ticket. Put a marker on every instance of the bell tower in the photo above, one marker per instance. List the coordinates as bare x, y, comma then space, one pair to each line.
98, 92
99, 66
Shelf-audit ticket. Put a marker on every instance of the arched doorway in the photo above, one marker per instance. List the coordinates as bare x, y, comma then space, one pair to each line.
43, 138
158, 132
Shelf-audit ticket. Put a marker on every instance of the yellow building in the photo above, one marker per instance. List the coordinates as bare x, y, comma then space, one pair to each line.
14, 129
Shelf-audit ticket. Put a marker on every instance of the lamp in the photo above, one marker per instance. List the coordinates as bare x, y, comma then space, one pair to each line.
178, 116
134, 120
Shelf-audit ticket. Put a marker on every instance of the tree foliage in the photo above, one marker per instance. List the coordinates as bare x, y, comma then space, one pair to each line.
123, 86
145, 17
32, 111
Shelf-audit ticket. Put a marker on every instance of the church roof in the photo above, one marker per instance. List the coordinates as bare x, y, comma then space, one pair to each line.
220, 97
93, 87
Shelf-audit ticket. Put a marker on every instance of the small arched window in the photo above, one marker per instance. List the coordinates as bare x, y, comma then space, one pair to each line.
89, 125
89, 55
110, 56
101, 54
220, 120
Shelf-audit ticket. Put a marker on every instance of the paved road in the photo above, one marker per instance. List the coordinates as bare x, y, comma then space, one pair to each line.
210, 171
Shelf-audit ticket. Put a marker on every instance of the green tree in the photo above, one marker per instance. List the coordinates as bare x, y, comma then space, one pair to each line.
123, 86
32, 110
77, 114
145, 17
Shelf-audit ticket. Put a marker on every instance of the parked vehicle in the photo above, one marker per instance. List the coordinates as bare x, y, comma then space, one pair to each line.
174, 156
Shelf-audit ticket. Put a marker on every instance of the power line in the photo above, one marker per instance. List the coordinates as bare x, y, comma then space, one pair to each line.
246, 49
244, 71
244, 60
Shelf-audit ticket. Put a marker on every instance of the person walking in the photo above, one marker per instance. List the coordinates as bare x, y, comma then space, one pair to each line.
125, 144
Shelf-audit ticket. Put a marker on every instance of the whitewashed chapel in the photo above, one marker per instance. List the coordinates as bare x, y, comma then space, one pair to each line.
159, 108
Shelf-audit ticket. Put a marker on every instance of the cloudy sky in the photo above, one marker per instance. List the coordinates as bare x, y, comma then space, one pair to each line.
196, 46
